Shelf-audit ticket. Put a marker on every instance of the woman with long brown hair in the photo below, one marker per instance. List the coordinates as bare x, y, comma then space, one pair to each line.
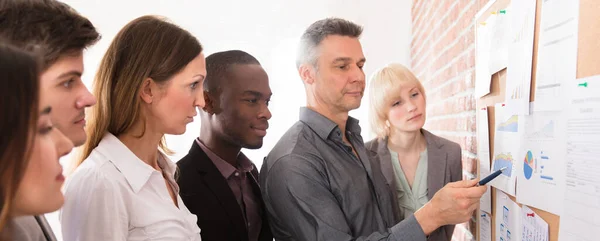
30, 174
149, 84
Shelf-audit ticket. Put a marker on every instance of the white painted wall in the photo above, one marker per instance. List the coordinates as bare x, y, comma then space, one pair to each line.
267, 29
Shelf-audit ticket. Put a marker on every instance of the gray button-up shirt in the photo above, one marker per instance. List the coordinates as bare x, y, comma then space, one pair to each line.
316, 188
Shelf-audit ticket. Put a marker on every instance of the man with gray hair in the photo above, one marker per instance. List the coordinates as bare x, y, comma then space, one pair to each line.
318, 182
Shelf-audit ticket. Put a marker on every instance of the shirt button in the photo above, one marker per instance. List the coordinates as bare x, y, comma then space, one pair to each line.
237, 174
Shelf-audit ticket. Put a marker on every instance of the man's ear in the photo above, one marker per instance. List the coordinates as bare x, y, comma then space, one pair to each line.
307, 73
148, 90
211, 105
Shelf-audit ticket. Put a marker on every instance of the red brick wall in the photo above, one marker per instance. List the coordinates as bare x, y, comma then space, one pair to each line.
443, 58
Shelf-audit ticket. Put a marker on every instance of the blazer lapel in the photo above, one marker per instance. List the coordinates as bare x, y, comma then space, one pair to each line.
45, 228
380, 155
436, 169
219, 187
385, 162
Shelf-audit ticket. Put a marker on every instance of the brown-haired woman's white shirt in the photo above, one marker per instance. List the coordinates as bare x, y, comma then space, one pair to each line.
114, 195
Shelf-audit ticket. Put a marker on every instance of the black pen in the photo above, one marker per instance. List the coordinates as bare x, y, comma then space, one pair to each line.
490, 177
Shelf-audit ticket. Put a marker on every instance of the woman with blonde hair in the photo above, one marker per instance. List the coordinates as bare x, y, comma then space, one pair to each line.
415, 163
149, 84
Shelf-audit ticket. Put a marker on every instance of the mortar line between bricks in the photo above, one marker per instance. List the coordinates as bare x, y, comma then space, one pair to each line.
458, 37
469, 154
439, 22
453, 115
453, 61
461, 33
455, 133
450, 81
471, 176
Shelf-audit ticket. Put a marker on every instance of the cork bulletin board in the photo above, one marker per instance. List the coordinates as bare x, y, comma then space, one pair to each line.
588, 64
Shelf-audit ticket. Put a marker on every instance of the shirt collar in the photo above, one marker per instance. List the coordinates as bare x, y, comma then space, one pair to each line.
323, 126
226, 169
135, 171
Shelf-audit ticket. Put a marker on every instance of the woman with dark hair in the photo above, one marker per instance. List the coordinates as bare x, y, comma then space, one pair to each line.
30, 174
149, 84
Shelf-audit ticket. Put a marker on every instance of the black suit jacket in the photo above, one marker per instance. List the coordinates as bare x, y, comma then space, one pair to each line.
206, 194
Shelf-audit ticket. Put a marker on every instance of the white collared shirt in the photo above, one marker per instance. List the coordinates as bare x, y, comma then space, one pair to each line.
114, 196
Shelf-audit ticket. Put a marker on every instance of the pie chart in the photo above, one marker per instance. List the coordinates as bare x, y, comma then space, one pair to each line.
528, 165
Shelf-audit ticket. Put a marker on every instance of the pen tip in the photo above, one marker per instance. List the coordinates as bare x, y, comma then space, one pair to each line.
502, 169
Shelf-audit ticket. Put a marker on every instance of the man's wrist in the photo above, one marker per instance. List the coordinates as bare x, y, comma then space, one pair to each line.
428, 218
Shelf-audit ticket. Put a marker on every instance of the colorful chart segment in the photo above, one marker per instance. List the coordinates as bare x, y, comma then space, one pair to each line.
510, 125
545, 161
504, 160
528, 166
537, 164
547, 131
